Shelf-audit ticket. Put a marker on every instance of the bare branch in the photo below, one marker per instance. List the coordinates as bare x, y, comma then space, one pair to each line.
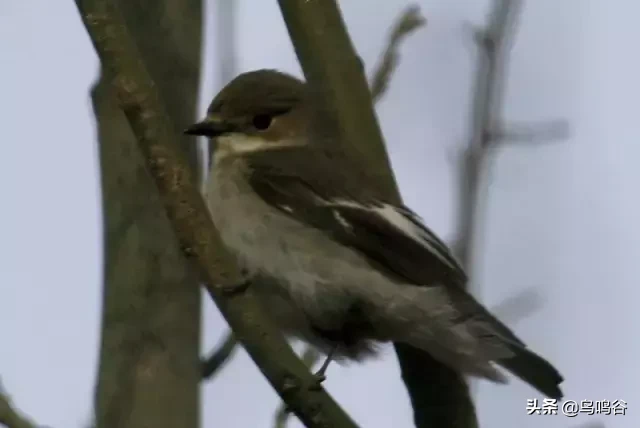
193, 226
531, 133
333, 70
492, 43
409, 21
219, 357
151, 304
9, 416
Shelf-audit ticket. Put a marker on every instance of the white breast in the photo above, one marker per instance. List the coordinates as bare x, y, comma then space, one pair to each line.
264, 239
314, 270
316, 279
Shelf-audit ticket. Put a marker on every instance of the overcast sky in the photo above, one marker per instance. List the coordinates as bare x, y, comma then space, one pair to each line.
559, 218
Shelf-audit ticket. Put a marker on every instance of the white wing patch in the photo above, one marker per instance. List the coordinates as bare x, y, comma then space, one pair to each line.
343, 222
400, 219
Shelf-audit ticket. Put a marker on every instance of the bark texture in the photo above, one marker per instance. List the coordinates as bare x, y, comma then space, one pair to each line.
198, 239
149, 370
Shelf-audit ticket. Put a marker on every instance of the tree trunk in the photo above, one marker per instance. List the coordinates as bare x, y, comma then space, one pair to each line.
149, 370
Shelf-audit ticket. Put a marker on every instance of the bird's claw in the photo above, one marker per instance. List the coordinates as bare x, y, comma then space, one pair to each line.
318, 378
316, 384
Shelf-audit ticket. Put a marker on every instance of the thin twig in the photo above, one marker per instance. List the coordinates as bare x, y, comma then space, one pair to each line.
194, 229
486, 130
492, 43
543, 132
219, 357
409, 21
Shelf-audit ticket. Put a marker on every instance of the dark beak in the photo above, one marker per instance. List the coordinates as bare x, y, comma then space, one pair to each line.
209, 127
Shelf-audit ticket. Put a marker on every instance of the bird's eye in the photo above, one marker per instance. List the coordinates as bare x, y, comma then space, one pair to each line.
262, 122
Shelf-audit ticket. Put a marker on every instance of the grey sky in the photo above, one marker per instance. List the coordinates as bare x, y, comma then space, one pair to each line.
561, 217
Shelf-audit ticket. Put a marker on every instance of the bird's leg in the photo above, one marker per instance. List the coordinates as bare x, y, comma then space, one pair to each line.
320, 375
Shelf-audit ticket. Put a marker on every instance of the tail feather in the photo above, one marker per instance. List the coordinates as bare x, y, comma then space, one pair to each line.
534, 370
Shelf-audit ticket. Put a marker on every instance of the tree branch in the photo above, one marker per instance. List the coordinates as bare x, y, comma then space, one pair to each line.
9, 416
219, 357
408, 22
151, 305
542, 132
439, 395
192, 225
486, 131
492, 43
334, 71
309, 358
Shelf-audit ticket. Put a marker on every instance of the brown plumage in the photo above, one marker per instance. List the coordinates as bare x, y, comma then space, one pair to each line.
344, 267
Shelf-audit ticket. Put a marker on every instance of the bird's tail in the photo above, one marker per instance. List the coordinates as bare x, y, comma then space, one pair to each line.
534, 370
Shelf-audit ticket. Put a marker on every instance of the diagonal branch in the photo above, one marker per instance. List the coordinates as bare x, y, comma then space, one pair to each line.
407, 23
193, 227
9, 416
151, 307
219, 357
439, 395
310, 356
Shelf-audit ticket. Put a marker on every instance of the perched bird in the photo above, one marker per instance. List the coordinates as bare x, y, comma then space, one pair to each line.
337, 263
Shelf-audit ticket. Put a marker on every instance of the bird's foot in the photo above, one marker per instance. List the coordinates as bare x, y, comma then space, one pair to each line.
321, 375
318, 378
316, 384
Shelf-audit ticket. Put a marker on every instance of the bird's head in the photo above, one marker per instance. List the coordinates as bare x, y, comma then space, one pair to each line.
257, 111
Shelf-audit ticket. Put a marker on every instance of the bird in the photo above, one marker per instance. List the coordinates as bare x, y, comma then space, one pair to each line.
335, 261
